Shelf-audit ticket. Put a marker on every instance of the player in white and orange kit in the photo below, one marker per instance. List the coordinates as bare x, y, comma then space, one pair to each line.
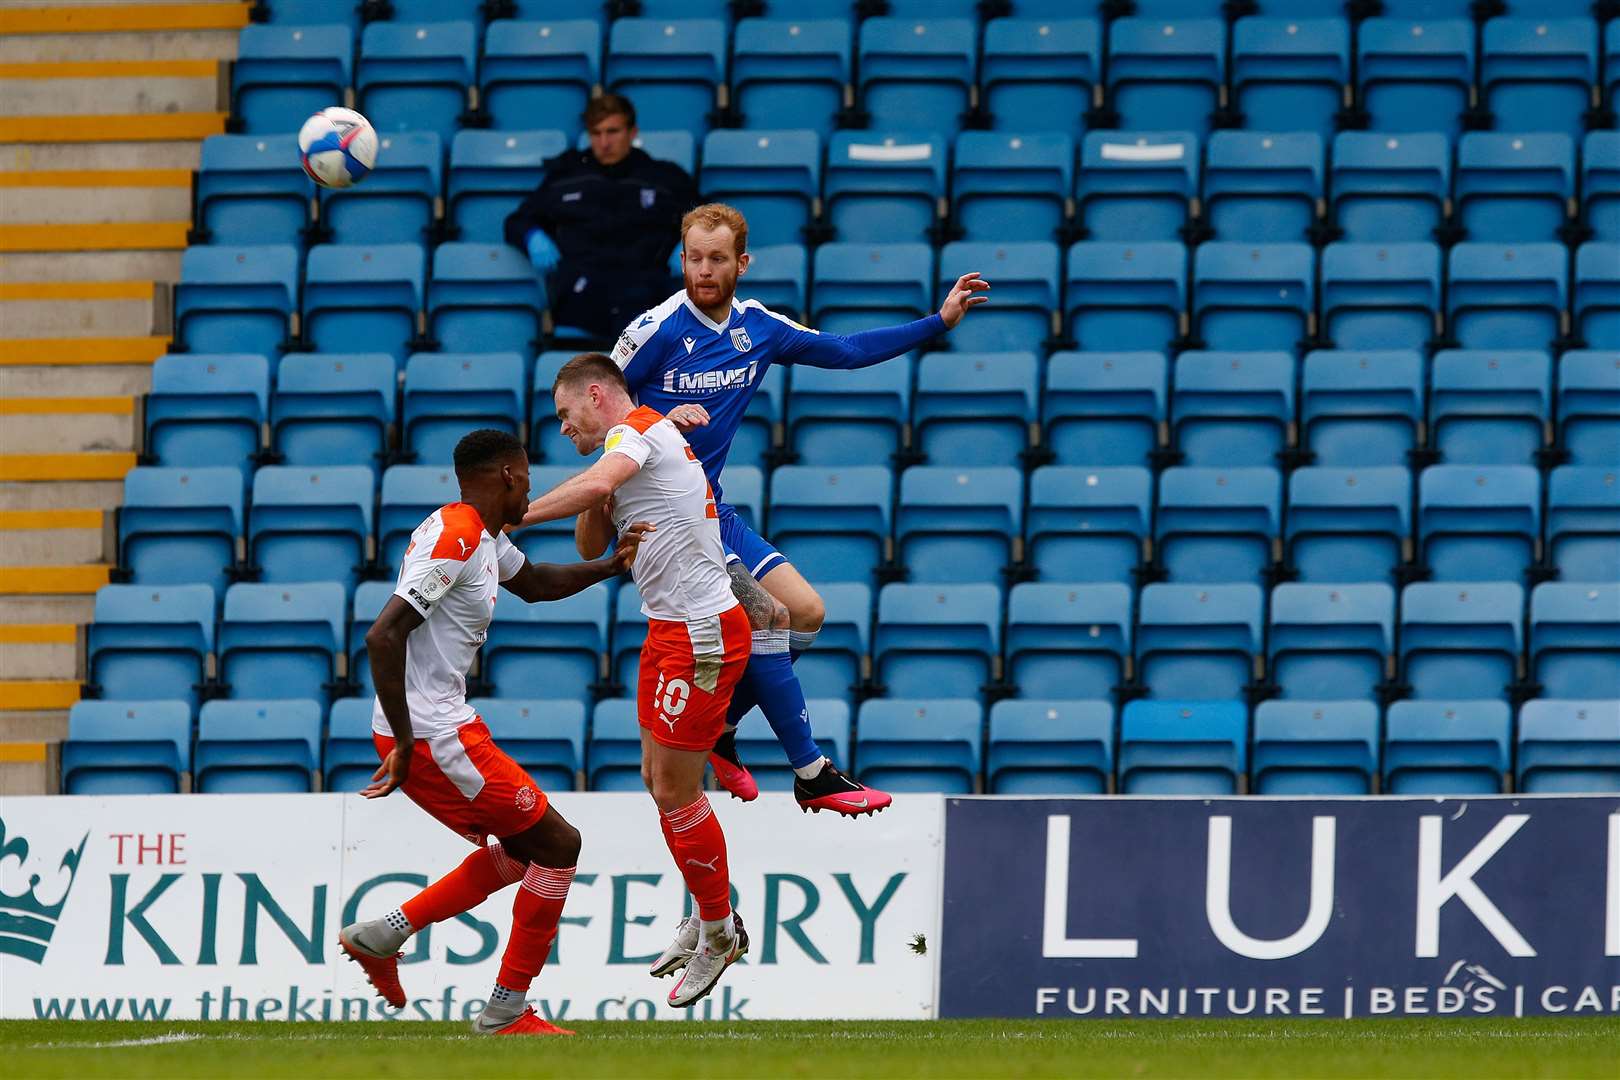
698, 635
435, 748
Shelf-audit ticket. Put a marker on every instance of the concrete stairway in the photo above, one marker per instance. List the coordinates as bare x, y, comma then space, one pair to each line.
103, 107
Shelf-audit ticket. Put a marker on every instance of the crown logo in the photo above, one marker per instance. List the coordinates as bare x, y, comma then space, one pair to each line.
27, 922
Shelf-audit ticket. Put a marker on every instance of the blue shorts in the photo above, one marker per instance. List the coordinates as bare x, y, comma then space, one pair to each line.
746, 546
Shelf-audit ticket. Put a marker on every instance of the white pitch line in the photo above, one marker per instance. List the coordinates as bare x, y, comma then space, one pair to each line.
174, 1037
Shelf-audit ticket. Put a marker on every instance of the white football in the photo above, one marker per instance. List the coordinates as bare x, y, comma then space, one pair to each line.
337, 147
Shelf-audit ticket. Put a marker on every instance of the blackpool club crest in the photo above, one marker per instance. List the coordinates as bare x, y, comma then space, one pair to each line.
740, 339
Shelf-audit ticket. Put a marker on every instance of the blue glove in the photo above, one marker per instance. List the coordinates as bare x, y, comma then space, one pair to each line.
543, 252
675, 262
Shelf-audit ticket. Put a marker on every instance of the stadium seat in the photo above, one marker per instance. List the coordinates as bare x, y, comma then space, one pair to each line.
422, 10
1136, 186
400, 201
545, 738
1315, 748
1575, 639
835, 664
863, 286
246, 194
236, 299
1012, 188
1583, 523
1589, 406
1198, 641
551, 650
363, 298
917, 73
1537, 74
549, 541
773, 176
791, 72
1088, 525
920, 744
370, 597
1187, 747
940, 639
1166, 75
1330, 642
1566, 747
1389, 188
1047, 67
1026, 279
1479, 522
180, 526
1611, 63
778, 277
1380, 296
743, 488
350, 756
1068, 640
759, 749
1054, 747
1600, 181
546, 441
1104, 408
333, 409
1348, 524
975, 409
613, 755
955, 526
1597, 295
832, 523
629, 634
1361, 409
1507, 297
126, 748
207, 410
1415, 76
1254, 296
258, 746
1465, 635
1447, 747
839, 418
1218, 525
1125, 297
533, 69
285, 73
1290, 74
147, 644
884, 187
1232, 409
1514, 188
484, 299
671, 68
1263, 187
282, 640
490, 173
677, 146
311, 524
450, 394
417, 76
1489, 408
409, 494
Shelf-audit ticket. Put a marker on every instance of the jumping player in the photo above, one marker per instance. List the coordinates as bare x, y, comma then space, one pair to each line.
436, 749
698, 358
697, 633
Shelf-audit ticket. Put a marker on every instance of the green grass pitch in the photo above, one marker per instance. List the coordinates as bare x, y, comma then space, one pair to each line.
1464, 1048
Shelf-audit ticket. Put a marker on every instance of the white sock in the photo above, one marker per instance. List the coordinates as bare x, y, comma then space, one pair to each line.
812, 770
801, 640
505, 1003
717, 930
388, 934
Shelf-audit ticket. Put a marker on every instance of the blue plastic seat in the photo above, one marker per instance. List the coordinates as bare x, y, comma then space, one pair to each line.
743, 487
282, 641
1189, 747
1166, 75
1136, 186
917, 72
1446, 747
268, 746
491, 172
1597, 295
1068, 640
1012, 188
546, 440
1589, 406
533, 69
671, 68
1600, 179
779, 278
417, 76
1348, 525
1583, 522
1126, 297
1361, 409
207, 410
942, 639
884, 186
1467, 635
350, 755
363, 298
546, 738
677, 146
920, 744
409, 494
975, 409
1290, 74
236, 299
147, 644
1389, 188
399, 203
126, 748
550, 541
424, 10
956, 525
1254, 296
833, 524
1198, 641
1611, 62
839, 418
758, 747
552, 650
1489, 408
285, 73
1044, 66
1315, 748
833, 666
1514, 188
613, 755
1104, 408
629, 634
1507, 297
484, 298
1232, 409
180, 526
791, 71
1053, 747
1479, 522
1575, 639
1566, 747
450, 394
1263, 187
1537, 74
863, 286
311, 524
245, 192
370, 597
1088, 525
333, 409
772, 175
1415, 75
1380, 296
1218, 525
1027, 278
1330, 642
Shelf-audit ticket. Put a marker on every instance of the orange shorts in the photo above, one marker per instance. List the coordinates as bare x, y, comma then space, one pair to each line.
688, 670
469, 784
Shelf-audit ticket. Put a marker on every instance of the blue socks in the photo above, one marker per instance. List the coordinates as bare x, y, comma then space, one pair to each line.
769, 683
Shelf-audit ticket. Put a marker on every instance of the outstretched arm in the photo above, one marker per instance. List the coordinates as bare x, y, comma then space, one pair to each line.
577, 494
553, 581
870, 347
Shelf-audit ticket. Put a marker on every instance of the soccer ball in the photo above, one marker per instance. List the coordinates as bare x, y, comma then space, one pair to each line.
337, 147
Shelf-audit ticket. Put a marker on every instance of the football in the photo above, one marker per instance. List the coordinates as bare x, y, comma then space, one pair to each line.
337, 147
